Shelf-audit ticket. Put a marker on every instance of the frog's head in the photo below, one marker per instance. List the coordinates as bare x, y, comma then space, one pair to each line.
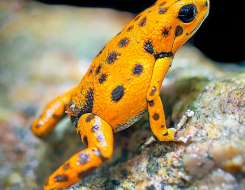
177, 21
189, 16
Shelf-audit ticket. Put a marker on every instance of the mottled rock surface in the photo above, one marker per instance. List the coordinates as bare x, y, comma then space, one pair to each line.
45, 50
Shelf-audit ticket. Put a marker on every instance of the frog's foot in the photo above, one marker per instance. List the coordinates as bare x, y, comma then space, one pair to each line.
149, 141
188, 114
167, 136
98, 136
52, 114
184, 119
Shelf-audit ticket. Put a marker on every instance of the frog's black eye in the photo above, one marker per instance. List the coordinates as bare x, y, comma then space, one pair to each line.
187, 13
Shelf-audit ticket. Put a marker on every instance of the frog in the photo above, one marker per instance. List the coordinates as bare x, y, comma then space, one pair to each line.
122, 83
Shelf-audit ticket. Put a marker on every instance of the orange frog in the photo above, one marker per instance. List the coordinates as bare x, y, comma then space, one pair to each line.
122, 83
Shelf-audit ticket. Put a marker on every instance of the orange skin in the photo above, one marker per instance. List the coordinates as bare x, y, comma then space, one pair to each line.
122, 83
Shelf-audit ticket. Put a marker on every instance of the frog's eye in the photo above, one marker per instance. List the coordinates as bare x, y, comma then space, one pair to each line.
187, 13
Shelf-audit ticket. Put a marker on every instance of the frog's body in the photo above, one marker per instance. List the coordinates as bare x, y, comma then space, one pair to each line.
132, 72
122, 83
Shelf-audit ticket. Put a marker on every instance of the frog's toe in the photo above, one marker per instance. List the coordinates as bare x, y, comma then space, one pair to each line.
168, 136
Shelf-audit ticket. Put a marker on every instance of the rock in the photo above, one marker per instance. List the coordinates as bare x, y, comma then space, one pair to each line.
15, 178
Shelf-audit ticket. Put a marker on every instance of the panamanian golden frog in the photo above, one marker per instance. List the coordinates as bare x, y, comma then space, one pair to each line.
122, 83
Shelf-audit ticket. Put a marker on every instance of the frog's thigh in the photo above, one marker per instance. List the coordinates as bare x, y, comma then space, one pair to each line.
52, 114
155, 107
98, 135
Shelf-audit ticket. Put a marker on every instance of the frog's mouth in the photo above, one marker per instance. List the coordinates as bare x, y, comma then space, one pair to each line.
195, 29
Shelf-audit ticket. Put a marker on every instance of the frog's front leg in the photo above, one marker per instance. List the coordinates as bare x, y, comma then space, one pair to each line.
155, 107
95, 133
52, 114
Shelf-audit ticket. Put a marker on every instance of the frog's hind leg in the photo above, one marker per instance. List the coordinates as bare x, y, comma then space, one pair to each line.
95, 133
52, 114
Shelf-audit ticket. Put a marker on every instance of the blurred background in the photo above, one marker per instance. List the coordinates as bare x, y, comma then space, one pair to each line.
45, 49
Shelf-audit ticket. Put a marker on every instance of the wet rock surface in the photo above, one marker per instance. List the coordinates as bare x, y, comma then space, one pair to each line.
39, 61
